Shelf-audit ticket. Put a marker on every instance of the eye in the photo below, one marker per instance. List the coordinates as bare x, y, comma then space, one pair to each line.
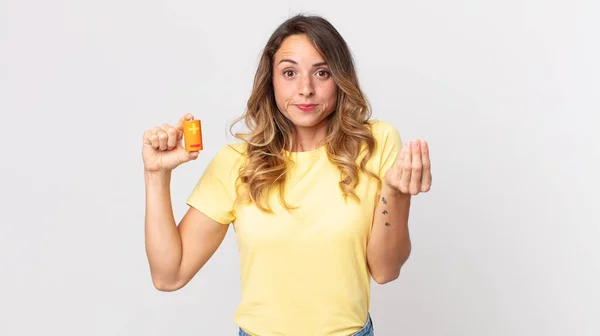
288, 73
323, 73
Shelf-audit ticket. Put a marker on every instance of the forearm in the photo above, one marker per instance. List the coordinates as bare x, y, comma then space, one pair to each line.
389, 245
163, 241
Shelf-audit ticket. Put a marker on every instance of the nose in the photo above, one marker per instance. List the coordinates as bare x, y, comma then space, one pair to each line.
306, 86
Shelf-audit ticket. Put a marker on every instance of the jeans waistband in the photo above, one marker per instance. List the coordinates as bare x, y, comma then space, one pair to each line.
366, 330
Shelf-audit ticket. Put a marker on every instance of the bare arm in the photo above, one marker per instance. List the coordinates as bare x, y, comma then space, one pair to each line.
176, 253
389, 246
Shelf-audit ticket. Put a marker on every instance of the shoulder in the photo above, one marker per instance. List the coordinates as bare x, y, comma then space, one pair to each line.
233, 149
231, 154
387, 147
384, 131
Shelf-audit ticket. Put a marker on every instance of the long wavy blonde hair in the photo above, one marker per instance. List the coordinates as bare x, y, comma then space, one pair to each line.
270, 133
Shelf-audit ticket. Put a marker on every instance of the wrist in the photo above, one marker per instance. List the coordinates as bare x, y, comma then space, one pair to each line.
157, 176
390, 191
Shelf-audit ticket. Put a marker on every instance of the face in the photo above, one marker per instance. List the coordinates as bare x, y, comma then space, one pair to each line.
305, 91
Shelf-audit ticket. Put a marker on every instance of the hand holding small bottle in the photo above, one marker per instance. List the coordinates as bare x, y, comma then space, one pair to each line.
162, 149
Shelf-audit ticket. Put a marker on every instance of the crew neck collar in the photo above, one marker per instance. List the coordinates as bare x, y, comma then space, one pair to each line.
307, 154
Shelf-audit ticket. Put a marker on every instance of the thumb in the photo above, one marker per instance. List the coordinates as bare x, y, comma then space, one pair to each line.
185, 156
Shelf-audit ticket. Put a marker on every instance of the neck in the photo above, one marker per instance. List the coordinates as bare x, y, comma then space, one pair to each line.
310, 138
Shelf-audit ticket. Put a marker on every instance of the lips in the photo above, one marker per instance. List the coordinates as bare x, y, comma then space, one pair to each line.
306, 107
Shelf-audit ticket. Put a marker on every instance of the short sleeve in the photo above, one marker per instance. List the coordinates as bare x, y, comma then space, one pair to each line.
389, 144
215, 193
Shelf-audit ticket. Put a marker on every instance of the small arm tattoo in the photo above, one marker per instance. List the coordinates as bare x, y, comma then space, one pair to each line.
385, 212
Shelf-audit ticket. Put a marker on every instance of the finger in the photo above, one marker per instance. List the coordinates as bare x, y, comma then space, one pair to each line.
400, 162
186, 156
154, 138
171, 136
179, 124
406, 170
398, 165
162, 139
426, 179
401, 157
147, 139
416, 168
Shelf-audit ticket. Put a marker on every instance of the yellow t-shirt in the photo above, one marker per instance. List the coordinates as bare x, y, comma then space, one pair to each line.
303, 272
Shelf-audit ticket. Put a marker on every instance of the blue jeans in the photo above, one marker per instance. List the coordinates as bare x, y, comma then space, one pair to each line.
366, 330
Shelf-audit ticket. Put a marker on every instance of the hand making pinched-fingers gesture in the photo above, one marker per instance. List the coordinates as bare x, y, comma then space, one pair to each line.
411, 174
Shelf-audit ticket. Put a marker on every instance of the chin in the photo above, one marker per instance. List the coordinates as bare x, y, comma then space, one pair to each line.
306, 121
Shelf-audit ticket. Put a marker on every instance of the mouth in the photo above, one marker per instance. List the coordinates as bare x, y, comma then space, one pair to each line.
306, 107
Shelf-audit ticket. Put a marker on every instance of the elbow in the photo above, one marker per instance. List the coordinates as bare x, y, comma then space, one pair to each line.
389, 271
386, 274
165, 286
386, 277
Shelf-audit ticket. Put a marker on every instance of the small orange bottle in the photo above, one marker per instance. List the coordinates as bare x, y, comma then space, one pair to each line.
192, 135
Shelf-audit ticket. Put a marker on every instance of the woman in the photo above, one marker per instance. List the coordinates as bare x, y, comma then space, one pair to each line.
318, 194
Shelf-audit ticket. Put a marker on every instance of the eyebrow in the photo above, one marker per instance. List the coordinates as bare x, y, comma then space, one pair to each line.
294, 62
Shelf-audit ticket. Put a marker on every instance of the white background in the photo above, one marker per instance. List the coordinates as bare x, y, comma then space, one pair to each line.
505, 92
